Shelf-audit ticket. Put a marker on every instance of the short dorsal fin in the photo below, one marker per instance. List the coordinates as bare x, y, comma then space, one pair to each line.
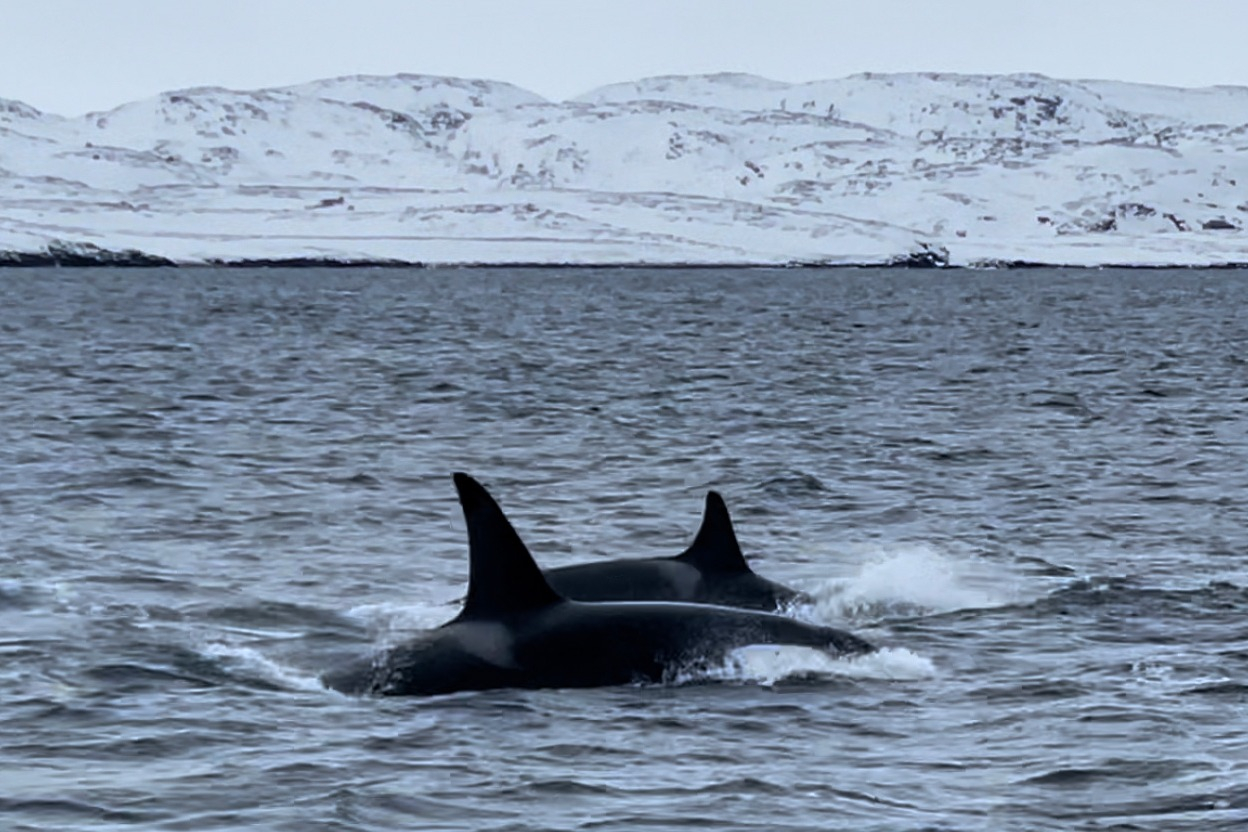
502, 577
715, 549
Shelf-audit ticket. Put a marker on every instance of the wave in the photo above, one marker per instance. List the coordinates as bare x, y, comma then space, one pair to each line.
771, 665
915, 580
249, 665
391, 622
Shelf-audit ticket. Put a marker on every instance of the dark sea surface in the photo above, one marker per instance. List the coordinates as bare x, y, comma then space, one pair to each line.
1028, 487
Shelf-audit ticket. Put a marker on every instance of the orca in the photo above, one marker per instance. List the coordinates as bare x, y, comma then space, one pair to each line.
711, 571
515, 631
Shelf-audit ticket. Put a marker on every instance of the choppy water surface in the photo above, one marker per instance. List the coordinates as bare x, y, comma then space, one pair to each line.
1029, 487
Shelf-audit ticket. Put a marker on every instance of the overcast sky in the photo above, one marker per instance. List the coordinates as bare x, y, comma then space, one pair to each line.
71, 56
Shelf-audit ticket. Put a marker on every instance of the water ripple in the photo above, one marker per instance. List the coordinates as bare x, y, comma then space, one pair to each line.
220, 483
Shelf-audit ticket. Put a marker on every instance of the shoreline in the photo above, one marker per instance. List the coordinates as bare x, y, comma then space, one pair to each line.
90, 256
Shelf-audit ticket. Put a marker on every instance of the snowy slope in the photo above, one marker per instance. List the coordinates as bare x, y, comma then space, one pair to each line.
717, 168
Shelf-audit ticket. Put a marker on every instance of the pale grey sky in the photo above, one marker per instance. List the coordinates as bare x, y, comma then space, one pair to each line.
71, 56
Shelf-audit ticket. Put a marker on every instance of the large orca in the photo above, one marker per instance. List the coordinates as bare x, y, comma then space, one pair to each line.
515, 631
711, 571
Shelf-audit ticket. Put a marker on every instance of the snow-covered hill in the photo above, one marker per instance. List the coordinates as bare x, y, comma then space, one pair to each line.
723, 168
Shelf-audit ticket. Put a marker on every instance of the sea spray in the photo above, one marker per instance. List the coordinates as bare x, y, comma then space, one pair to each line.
251, 665
769, 664
393, 622
909, 580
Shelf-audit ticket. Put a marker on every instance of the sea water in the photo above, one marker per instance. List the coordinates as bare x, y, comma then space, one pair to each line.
1027, 487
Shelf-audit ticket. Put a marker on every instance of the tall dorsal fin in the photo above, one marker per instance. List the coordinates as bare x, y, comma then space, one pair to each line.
715, 549
502, 576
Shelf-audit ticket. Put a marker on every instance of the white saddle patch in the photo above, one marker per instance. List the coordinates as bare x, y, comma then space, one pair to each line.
489, 641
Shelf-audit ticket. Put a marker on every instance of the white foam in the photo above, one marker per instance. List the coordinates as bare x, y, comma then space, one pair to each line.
251, 662
390, 622
895, 664
914, 579
769, 664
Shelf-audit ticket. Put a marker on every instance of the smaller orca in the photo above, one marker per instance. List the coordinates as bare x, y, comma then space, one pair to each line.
515, 631
711, 571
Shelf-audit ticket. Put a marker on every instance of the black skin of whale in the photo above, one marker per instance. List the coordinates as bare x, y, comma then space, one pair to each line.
711, 571
515, 631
